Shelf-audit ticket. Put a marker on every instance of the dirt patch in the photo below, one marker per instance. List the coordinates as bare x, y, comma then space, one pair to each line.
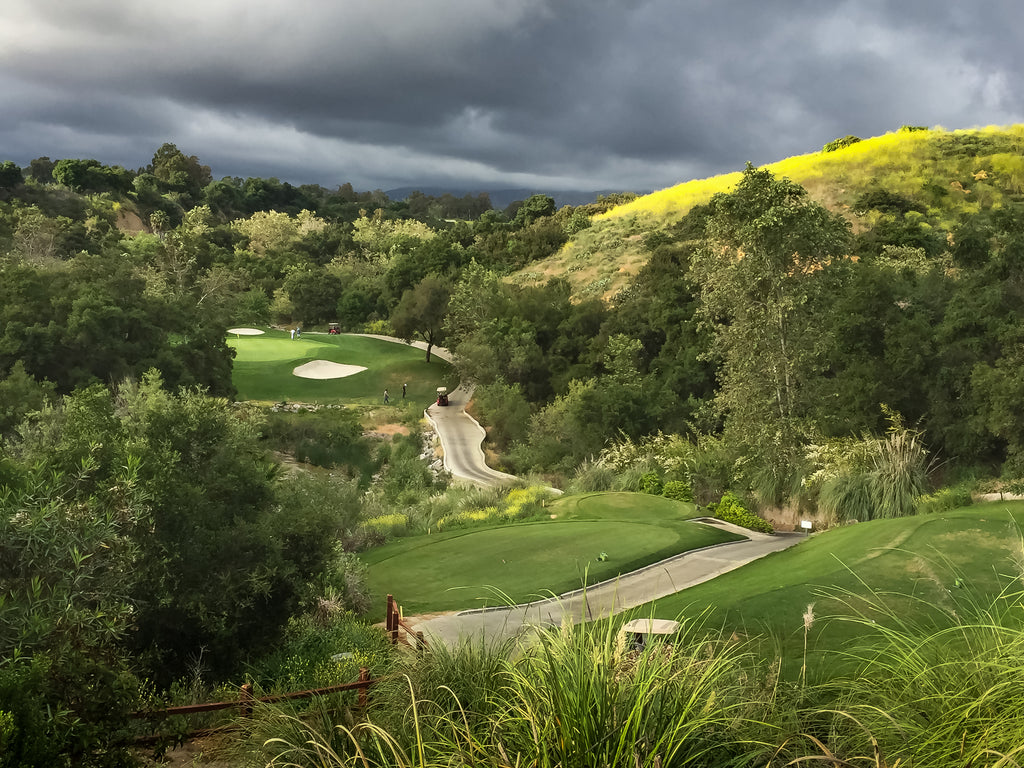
129, 221
208, 752
387, 431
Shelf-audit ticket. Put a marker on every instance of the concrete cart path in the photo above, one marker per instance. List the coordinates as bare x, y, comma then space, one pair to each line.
461, 435
628, 591
462, 440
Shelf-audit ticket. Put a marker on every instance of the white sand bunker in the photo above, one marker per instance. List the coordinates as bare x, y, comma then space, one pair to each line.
245, 331
322, 369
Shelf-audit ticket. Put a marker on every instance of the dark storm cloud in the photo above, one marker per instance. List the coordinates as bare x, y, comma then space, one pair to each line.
546, 93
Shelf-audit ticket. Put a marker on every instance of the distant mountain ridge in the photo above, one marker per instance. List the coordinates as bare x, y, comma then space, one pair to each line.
501, 198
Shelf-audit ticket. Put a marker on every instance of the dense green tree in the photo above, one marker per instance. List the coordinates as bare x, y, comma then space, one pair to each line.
91, 176
180, 173
223, 562
20, 395
421, 312
533, 208
758, 270
40, 170
10, 175
67, 565
314, 294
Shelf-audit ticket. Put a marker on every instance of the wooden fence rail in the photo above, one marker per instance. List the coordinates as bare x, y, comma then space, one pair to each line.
246, 700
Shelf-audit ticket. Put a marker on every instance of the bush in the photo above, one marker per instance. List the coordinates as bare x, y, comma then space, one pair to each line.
518, 504
308, 655
677, 490
326, 438
945, 499
382, 327
650, 483
845, 141
394, 524
732, 510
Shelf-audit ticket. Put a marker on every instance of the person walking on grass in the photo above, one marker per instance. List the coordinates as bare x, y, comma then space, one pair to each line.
293, 334
403, 390
386, 397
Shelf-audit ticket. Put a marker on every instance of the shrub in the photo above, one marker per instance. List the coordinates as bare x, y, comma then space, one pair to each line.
394, 524
945, 499
650, 483
382, 327
309, 654
845, 141
467, 518
677, 490
732, 510
523, 503
325, 438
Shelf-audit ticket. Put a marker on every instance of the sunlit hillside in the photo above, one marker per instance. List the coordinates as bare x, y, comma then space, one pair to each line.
946, 173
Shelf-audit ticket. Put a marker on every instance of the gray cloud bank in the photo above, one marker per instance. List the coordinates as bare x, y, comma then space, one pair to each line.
550, 94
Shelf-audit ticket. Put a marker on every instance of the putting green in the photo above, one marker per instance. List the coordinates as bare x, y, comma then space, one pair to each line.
524, 561
264, 365
269, 349
622, 505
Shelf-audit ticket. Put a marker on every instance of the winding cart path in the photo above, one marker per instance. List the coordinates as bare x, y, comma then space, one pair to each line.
460, 434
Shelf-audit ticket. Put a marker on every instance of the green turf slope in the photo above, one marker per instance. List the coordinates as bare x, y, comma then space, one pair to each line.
921, 563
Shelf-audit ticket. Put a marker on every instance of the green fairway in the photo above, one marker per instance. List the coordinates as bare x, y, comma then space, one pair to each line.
478, 567
944, 561
263, 369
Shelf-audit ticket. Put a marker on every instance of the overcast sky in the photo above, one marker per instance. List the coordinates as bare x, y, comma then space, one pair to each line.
546, 94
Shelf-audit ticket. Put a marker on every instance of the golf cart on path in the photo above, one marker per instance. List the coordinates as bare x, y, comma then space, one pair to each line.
442, 395
640, 632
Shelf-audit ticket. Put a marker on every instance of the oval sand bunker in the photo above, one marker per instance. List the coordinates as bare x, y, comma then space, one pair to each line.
245, 331
323, 369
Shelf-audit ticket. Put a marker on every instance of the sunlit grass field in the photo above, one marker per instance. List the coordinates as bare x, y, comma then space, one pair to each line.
263, 369
525, 561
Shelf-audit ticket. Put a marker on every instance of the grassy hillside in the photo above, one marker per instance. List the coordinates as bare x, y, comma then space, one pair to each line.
947, 174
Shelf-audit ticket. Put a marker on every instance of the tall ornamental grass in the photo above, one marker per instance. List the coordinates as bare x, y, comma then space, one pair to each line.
931, 685
567, 697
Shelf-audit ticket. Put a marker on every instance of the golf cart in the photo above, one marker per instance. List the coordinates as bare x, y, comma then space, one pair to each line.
442, 395
640, 632
334, 328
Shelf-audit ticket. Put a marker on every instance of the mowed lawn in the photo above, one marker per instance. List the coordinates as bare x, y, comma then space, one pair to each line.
925, 567
263, 369
521, 562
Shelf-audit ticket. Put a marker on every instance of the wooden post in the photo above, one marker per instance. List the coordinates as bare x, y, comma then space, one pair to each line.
364, 677
245, 700
392, 621
421, 642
